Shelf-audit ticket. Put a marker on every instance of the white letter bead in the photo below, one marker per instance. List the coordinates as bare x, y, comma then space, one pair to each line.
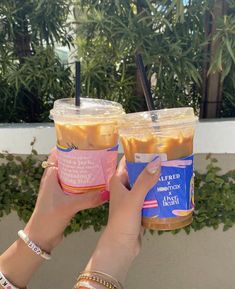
37, 250
5, 283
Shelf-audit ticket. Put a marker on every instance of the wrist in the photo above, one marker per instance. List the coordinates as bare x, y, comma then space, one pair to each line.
38, 231
113, 257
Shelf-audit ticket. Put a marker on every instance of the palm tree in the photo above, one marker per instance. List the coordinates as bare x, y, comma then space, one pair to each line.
180, 53
31, 75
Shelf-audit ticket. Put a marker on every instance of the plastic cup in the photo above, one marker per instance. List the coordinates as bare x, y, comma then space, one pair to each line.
167, 134
87, 143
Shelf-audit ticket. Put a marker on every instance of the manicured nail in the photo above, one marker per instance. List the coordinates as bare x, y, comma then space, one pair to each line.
104, 195
154, 166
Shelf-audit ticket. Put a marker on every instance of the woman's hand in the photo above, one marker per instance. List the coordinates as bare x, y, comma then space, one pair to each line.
124, 222
54, 209
120, 242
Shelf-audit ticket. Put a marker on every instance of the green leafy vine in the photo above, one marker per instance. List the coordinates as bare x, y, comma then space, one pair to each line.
20, 179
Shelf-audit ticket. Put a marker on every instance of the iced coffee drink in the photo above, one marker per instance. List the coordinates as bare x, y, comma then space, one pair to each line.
167, 134
87, 143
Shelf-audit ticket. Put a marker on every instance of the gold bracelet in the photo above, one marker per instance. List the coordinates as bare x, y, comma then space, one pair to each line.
84, 284
95, 279
105, 275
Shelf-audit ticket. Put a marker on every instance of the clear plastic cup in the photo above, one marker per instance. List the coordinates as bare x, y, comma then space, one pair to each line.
87, 143
167, 134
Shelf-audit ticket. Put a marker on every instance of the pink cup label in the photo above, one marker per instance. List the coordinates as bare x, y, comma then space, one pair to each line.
82, 170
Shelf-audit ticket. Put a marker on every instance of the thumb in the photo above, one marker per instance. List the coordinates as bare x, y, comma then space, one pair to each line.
146, 180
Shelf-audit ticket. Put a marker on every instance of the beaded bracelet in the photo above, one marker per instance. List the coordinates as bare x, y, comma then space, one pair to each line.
37, 250
105, 275
96, 279
84, 285
5, 283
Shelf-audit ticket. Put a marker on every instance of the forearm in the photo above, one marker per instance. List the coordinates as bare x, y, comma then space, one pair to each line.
18, 264
112, 257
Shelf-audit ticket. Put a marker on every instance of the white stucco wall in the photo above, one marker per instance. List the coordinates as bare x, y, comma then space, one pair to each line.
201, 260
215, 136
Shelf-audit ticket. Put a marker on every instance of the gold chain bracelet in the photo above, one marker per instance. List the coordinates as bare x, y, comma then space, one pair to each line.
105, 275
95, 279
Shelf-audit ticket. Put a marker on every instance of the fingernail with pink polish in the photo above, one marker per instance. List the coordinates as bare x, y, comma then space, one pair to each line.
104, 195
154, 166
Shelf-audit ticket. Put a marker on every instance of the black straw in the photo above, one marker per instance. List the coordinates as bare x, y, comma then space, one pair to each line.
78, 82
144, 81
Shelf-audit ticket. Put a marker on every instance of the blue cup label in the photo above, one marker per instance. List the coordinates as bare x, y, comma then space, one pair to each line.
173, 195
